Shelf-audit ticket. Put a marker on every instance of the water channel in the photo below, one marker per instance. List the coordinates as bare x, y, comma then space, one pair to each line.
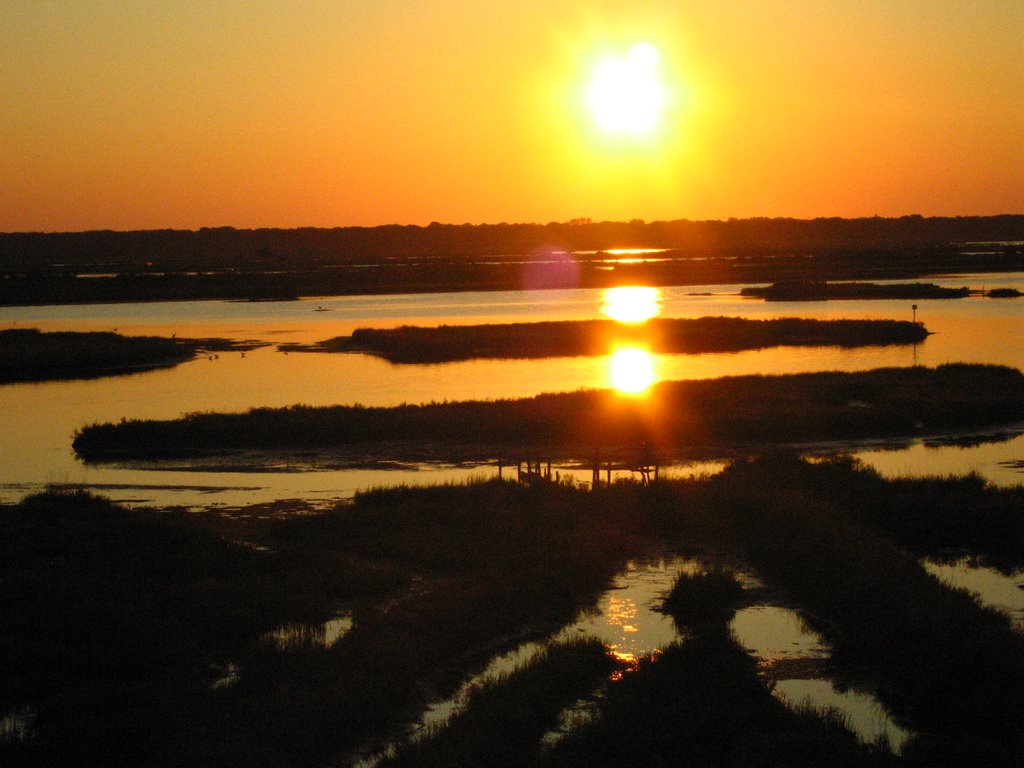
38, 421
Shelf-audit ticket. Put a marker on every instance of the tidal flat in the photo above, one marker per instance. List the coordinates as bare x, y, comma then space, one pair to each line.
147, 636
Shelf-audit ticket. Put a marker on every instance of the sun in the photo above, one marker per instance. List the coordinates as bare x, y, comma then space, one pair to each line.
626, 96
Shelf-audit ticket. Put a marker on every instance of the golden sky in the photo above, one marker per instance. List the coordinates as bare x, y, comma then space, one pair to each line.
139, 114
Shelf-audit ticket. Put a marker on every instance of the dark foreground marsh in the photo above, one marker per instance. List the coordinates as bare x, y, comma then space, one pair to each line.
446, 343
670, 418
119, 626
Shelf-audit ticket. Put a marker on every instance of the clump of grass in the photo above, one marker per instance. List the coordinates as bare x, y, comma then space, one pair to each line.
702, 598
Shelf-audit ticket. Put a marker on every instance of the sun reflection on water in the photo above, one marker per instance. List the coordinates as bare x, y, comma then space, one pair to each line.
631, 303
631, 370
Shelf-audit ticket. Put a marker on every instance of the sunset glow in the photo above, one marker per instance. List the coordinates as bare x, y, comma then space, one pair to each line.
147, 115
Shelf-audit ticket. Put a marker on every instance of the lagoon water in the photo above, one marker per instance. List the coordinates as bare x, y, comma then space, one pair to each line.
38, 421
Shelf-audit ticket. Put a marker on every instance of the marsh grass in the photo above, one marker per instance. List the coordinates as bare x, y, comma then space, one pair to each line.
505, 719
114, 620
708, 597
701, 702
31, 355
28, 354
948, 667
734, 410
447, 343
820, 290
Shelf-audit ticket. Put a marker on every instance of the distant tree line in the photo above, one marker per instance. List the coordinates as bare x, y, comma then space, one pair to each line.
224, 262
223, 247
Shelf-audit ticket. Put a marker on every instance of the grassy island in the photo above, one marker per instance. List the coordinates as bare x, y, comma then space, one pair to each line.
28, 354
887, 402
148, 635
446, 343
816, 290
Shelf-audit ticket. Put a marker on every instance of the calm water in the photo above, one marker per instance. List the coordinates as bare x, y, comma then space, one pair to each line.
38, 421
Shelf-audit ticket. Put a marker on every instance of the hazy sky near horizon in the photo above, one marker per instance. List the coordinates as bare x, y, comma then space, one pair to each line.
139, 114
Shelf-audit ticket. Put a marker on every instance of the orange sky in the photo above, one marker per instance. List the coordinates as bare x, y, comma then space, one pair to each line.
137, 114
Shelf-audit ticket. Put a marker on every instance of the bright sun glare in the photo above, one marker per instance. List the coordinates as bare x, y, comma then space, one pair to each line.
625, 95
631, 370
631, 304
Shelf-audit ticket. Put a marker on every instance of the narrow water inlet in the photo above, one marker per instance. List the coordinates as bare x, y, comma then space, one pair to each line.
1002, 591
628, 620
794, 657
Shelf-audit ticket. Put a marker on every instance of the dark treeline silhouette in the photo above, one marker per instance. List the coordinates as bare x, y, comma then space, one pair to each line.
283, 263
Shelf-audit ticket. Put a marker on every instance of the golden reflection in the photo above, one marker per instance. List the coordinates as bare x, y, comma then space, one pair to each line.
631, 370
634, 251
631, 304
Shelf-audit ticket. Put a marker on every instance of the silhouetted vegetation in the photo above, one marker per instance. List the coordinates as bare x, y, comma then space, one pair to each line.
701, 703
1003, 293
952, 670
30, 355
705, 598
820, 290
504, 720
672, 416
119, 625
227, 263
413, 344
123, 624
116, 622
